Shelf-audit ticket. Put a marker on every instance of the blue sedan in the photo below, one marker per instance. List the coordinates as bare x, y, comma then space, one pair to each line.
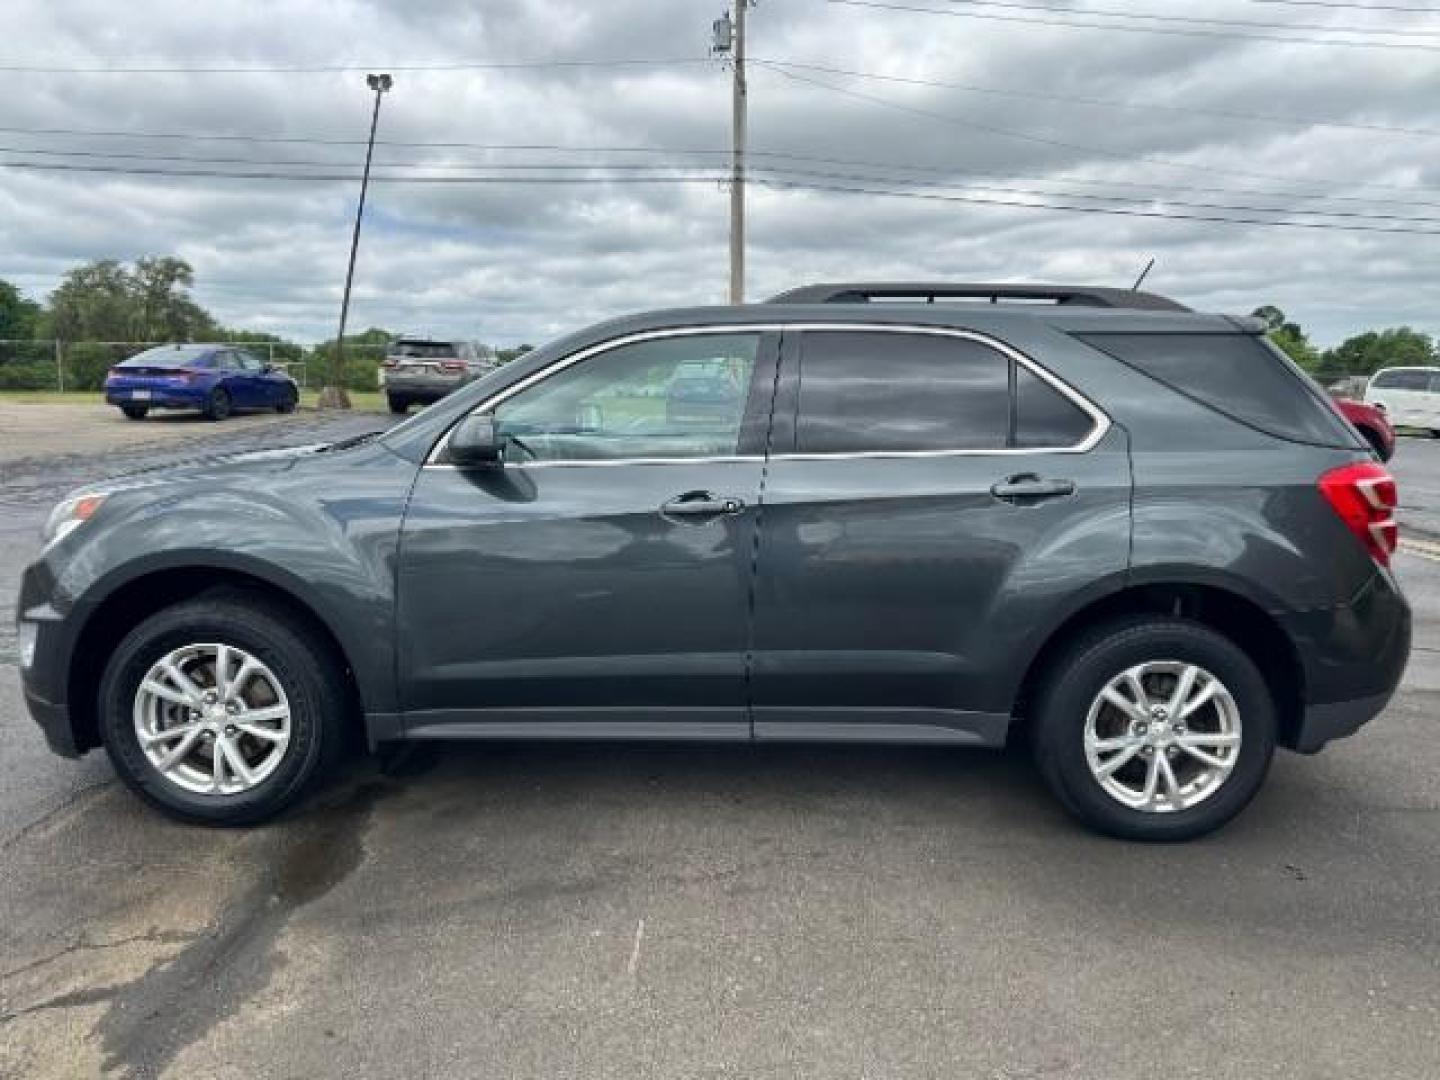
214, 379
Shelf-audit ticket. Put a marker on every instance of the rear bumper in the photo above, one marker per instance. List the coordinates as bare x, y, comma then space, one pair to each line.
166, 398
1353, 659
1322, 723
420, 387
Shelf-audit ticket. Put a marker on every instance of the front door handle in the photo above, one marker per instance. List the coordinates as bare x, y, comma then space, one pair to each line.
701, 505
1028, 487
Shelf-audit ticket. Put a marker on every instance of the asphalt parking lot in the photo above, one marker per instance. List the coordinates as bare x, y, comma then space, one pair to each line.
514, 911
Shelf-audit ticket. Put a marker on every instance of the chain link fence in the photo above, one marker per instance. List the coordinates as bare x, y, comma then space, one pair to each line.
81, 365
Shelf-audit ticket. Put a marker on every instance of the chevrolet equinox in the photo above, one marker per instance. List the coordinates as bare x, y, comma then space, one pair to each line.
1135, 536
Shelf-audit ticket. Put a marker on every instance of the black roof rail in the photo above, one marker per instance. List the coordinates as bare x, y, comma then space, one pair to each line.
928, 292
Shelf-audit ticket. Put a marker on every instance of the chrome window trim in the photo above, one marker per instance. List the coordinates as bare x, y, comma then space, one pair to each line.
1101, 422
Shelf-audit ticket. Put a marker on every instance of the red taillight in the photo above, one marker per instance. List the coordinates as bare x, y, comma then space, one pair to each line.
387, 363
1365, 497
452, 366
111, 374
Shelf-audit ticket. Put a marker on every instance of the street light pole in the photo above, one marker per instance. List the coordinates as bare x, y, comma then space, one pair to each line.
333, 396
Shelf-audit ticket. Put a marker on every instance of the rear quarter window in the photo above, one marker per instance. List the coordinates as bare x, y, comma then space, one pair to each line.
1238, 375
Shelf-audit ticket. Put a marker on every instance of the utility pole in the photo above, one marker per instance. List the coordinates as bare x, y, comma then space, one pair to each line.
334, 396
730, 38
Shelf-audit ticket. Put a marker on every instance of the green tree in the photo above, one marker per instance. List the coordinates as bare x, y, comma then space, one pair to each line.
1366, 353
507, 355
1291, 340
93, 303
163, 308
105, 301
1270, 315
18, 316
1288, 337
363, 353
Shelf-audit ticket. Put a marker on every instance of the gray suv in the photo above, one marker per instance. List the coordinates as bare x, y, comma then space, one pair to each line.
420, 370
1136, 537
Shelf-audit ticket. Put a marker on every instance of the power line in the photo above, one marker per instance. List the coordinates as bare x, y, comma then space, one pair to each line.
1348, 214
1109, 103
1075, 25
333, 69
1045, 140
1351, 7
949, 177
769, 178
884, 166
1115, 211
1245, 24
222, 174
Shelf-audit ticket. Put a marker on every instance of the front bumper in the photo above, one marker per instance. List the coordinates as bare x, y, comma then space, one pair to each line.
54, 721
46, 678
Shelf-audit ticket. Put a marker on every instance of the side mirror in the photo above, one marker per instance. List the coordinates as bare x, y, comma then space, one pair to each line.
268, 369
476, 443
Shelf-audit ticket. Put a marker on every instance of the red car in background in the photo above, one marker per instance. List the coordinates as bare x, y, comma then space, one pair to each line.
1370, 422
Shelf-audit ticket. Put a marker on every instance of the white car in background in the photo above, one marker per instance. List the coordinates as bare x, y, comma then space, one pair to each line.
1410, 396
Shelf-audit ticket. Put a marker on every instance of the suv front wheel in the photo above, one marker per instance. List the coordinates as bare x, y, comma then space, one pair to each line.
1154, 729
220, 709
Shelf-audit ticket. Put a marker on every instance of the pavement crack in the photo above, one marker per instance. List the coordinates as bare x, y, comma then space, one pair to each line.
157, 937
55, 811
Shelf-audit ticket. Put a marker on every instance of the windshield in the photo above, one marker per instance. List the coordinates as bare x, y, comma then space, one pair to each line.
173, 356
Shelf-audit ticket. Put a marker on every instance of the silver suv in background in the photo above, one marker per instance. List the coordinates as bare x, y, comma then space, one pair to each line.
423, 370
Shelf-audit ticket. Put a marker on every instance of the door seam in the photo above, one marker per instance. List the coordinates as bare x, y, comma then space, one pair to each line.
750, 598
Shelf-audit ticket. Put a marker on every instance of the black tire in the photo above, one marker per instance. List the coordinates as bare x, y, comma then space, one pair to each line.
398, 405
135, 412
311, 678
217, 405
289, 401
1076, 678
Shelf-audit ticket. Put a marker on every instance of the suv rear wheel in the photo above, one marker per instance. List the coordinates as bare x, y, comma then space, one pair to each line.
1154, 729
220, 710
398, 404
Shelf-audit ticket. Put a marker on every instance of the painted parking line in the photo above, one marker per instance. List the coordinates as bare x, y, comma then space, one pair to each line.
1424, 549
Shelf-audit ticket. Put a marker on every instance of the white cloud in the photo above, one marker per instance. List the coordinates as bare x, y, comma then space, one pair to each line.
526, 261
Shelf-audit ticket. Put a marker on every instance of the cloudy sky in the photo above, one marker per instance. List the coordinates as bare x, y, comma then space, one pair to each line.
579, 178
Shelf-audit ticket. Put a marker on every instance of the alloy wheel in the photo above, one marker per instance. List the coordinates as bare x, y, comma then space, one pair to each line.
212, 719
1162, 736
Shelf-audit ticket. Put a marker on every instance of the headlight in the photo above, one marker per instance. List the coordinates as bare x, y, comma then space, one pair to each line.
69, 516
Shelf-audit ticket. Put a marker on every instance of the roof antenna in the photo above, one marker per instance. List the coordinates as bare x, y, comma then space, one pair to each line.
1143, 274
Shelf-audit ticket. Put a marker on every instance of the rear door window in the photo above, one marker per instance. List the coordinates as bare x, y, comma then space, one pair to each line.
1044, 416
1403, 379
886, 392
1238, 375
875, 392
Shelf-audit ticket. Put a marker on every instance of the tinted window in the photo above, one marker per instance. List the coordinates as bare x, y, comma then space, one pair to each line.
429, 350
1403, 379
871, 391
168, 356
1236, 374
673, 397
1044, 416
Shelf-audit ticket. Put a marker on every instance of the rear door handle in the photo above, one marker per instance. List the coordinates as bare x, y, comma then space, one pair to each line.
1028, 487
699, 505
